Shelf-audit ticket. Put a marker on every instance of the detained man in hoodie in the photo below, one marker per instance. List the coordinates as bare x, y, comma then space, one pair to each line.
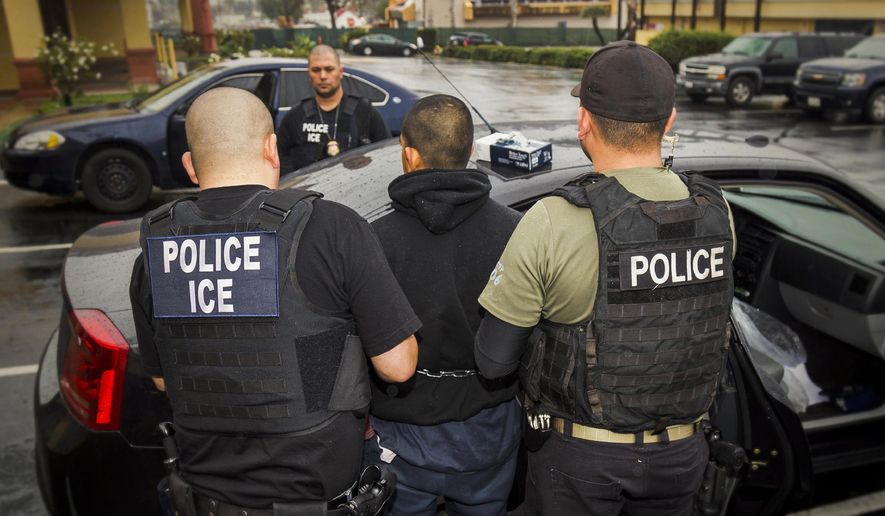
448, 431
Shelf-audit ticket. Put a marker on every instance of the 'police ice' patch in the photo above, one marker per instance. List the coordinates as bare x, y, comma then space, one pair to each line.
216, 275
674, 267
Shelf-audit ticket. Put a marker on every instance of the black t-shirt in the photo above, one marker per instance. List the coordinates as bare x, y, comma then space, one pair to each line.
302, 137
342, 271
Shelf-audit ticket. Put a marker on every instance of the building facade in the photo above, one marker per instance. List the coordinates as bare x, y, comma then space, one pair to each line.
734, 16
23, 23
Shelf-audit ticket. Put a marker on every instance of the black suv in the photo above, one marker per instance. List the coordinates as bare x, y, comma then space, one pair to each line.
854, 83
756, 63
472, 38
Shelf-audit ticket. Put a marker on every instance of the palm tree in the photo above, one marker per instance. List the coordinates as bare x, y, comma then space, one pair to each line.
593, 12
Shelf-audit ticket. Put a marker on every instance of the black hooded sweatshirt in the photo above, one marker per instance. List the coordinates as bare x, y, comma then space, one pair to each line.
442, 241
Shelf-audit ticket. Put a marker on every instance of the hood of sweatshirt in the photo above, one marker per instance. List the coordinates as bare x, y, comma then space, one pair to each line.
440, 199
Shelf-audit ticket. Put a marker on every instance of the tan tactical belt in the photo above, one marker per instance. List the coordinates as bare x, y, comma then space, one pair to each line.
589, 433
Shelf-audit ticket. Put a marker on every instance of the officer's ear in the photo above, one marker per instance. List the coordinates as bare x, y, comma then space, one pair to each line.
585, 127
270, 151
670, 121
188, 162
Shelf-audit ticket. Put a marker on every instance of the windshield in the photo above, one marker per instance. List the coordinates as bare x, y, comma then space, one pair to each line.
167, 95
749, 46
870, 48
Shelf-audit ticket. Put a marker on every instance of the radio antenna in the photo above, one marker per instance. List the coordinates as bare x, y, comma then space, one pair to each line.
492, 130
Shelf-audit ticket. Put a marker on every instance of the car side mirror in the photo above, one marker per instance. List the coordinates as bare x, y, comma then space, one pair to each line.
775, 56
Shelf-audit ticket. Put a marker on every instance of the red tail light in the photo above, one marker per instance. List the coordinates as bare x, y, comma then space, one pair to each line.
94, 370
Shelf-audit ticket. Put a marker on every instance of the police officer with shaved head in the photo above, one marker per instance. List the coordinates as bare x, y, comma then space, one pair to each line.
255, 309
329, 122
612, 300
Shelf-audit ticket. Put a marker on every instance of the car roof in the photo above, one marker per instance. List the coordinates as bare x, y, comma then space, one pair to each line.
360, 179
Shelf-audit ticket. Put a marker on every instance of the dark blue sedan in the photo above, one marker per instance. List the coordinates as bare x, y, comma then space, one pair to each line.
117, 153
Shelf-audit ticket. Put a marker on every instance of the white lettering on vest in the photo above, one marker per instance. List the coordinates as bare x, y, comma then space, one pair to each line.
205, 306
251, 251
188, 264
170, 252
224, 294
231, 264
668, 267
635, 271
716, 262
694, 265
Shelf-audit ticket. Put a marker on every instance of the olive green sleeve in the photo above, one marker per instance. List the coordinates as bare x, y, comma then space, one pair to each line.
515, 290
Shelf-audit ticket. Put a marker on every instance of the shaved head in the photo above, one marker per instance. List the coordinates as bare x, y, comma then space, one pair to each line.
227, 129
323, 51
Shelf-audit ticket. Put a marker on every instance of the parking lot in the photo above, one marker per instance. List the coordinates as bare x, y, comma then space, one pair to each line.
36, 230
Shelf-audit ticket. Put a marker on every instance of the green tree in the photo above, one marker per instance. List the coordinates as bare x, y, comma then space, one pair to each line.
276, 8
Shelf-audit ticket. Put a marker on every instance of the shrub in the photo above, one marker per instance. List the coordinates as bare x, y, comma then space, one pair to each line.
352, 34
66, 61
566, 57
676, 45
234, 43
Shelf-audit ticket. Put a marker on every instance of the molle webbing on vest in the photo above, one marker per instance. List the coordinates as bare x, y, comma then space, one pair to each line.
653, 350
257, 374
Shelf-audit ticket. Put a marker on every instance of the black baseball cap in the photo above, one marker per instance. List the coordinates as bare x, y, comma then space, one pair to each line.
628, 82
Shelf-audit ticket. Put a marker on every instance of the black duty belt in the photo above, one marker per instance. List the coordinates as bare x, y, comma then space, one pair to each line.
208, 506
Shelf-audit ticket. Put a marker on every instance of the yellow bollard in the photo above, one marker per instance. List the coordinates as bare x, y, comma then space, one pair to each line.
164, 63
171, 55
157, 45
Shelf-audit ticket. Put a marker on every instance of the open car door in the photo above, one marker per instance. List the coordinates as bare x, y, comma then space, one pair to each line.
778, 472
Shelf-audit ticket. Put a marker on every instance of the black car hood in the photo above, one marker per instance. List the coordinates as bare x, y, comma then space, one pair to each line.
78, 117
720, 59
843, 64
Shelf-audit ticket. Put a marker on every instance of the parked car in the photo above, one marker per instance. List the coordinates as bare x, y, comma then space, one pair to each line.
854, 83
756, 63
472, 38
116, 153
382, 45
809, 277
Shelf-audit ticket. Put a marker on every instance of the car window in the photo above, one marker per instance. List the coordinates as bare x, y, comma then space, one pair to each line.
812, 47
175, 91
870, 48
258, 83
747, 46
385, 38
362, 88
786, 47
294, 88
246, 82
811, 217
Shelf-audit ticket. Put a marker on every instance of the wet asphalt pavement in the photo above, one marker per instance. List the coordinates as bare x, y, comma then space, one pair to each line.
30, 299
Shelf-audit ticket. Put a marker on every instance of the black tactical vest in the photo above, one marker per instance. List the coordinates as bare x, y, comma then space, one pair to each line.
653, 350
242, 348
356, 133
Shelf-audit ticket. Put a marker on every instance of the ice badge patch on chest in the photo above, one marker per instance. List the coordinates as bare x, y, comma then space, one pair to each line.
673, 267
214, 275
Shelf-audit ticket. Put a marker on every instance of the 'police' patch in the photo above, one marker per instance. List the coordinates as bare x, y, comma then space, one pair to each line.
216, 275
674, 267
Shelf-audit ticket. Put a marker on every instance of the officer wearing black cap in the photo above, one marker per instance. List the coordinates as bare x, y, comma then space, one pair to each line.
612, 299
255, 309
329, 122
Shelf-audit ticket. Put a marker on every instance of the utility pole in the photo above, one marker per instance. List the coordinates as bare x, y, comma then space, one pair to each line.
694, 14
673, 15
757, 21
722, 15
